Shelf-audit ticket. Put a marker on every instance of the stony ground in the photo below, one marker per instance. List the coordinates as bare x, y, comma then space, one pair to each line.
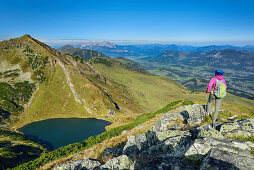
177, 142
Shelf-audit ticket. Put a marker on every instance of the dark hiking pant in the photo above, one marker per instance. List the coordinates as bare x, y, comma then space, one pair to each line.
217, 106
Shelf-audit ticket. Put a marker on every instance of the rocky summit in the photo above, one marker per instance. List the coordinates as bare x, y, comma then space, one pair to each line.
177, 141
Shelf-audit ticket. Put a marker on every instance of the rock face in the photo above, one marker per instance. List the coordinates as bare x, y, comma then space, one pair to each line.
180, 117
120, 162
167, 147
220, 159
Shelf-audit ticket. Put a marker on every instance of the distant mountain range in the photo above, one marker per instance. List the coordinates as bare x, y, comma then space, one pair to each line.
225, 58
113, 50
94, 44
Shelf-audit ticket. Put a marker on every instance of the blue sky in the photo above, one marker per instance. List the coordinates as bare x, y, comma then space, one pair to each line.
193, 21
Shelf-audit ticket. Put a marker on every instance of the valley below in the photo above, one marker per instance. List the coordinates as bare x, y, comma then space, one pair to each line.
240, 83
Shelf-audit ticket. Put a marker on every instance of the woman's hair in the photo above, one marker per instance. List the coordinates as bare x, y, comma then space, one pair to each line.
219, 72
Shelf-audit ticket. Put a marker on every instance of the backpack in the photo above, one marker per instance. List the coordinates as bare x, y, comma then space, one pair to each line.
220, 89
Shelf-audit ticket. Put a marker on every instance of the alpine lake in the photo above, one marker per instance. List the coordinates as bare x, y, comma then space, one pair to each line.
60, 132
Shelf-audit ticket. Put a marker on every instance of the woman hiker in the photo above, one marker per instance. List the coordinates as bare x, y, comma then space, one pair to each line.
217, 89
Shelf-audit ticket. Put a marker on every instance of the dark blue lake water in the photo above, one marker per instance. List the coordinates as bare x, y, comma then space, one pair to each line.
63, 131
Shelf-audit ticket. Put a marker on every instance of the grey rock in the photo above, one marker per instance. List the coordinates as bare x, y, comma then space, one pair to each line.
168, 122
220, 159
112, 152
136, 144
78, 165
180, 117
177, 145
206, 131
243, 128
239, 128
168, 162
121, 162
201, 147
164, 162
162, 136
193, 113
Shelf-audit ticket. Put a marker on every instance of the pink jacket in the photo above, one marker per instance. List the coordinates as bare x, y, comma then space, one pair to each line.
212, 83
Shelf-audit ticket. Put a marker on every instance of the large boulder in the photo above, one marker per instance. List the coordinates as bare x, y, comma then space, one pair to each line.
201, 147
177, 145
78, 165
164, 162
180, 117
239, 128
120, 162
137, 144
206, 131
220, 159
243, 128
169, 162
193, 113
172, 143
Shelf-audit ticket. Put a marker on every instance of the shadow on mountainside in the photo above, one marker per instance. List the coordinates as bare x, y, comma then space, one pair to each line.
17, 154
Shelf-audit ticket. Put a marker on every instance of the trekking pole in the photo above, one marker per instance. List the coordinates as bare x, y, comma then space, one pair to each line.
222, 105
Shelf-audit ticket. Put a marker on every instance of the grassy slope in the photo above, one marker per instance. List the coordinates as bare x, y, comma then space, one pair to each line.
95, 100
150, 92
53, 99
133, 65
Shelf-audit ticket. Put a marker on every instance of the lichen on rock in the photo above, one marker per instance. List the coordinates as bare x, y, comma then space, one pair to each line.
78, 165
120, 162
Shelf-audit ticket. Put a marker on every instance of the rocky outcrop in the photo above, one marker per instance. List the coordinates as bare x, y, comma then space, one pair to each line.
242, 128
221, 159
181, 117
205, 147
120, 162
78, 165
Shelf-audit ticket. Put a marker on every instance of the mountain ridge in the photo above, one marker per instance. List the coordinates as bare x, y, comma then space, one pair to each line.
83, 53
224, 58
117, 50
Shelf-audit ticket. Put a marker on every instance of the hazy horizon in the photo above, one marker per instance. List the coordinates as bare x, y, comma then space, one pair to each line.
62, 42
